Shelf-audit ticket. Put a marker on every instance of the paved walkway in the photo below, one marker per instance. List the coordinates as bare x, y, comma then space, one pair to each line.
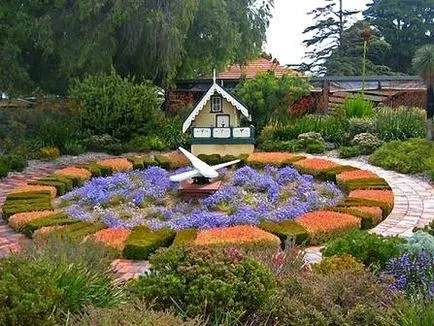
414, 206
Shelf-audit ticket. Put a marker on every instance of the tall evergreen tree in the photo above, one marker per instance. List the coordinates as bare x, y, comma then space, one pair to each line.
326, 35
406, 25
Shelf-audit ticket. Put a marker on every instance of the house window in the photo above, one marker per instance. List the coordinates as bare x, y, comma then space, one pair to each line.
216, 104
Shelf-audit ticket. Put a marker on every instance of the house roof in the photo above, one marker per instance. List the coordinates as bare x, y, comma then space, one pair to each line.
226, 95
253, 67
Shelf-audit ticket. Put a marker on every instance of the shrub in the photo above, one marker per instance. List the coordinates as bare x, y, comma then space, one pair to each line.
269, 97
49, 153
143, 242
314, 166
260, 160
287, 231
427, 228
185, 237
42, 284
59, 219
16, 162
358, 107
413, 312
16, 206
121, 107
368, 248
400, 123
100, 142
4, 169
147, 143
411, 156
361, 125
372, 197
61, 183
349, 151
116, 164
131, 314
367, 143
74, 148
419, 242
351, 296
333, 264
205, 281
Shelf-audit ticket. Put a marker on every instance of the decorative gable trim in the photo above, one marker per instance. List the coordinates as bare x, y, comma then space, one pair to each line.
199, 107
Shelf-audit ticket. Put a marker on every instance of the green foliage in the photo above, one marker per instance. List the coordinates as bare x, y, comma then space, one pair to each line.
61, 183
427, 228
205, 282
269, 97
74, 148
142, 242
15, 206
418, 242
333, 129
347, 296
110, 104
412, 313
366, 143
368, 248
287, 231
400, 123
59, 219
333, 264
361, 125
423, 63
4, 169
185, 237
147, 143
42, 284
131, 314
49, 153
411, 156
358, 107
349, 151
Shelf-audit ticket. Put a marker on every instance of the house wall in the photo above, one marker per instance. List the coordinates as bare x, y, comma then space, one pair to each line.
222, 149
206, 118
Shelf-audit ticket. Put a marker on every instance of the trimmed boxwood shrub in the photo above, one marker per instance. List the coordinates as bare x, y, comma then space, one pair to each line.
286, 231
137, 162
349, 151
61, 183
371, 183
211, 159
331, 173
368, 248
368, 220
16, 206
55, 220
163, 161
79, 230
143, 242
369, 202
185, 237
29, 195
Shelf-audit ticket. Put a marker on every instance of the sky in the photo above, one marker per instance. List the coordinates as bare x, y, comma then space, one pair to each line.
285, 34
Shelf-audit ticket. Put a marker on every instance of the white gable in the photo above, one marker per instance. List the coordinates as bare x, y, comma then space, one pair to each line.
214, 88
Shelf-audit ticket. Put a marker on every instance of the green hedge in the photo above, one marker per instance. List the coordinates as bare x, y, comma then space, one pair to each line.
79, 230
53, 220
142, 242
163, 161
185, 237
46, 194
61, 183
286, 231
331, 173
98, 170
367, 220
370, 203
15, 206
371, 183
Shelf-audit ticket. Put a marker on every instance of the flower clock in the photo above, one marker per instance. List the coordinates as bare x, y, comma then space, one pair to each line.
132, 206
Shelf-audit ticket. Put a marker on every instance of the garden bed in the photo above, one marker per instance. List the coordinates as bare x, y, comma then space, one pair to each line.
131, 206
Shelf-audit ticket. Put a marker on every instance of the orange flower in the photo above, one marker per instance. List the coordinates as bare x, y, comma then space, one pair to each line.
177, 159
16, 221
114, 237
356, 174
236, 235
323, 222
315, 164
117, 164
384, 196
30, 188
272, 158
72, 171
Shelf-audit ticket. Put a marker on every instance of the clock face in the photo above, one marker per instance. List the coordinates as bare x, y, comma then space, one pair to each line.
222, 121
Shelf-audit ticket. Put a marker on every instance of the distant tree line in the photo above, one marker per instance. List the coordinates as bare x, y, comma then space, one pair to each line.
45, 44
397, 28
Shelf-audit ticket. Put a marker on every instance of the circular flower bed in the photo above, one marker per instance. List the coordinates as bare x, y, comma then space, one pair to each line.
132, 206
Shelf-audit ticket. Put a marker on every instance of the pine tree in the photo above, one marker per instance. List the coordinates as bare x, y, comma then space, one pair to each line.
327, 33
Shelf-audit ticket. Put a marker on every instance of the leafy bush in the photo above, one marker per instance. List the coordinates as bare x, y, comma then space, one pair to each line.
349, 151
120, 107
333, 129
411, 156
368, 248
269, 97
205, 281
4, 169
147, 143
400, 123
361, 125
358, 107
338, 263
418, 242
366, 142
74, 148
131, 314
41, 284
350, 296
427, 228
49, 153
312, 142
413, 313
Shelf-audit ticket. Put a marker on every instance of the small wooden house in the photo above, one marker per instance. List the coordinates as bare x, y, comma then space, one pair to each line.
220, 124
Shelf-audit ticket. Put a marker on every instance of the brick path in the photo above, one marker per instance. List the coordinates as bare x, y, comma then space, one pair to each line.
414, 206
